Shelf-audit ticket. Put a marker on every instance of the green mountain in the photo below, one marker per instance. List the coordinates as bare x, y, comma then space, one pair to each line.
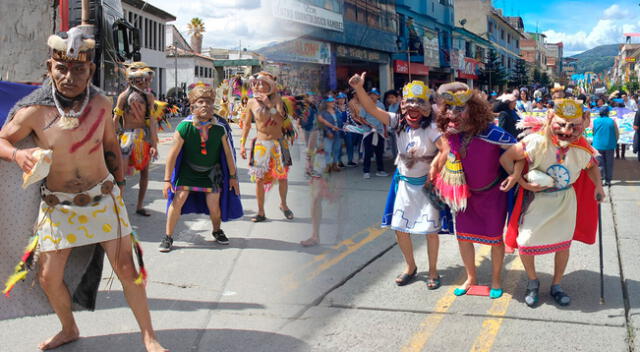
598, 59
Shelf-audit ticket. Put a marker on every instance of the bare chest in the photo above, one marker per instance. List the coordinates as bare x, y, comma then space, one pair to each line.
85, 140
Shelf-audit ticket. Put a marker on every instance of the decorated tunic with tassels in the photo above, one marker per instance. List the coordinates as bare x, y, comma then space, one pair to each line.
201, 148
548, 218
483, 217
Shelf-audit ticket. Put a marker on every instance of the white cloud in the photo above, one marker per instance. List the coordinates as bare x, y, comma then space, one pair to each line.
227, 22
610, 29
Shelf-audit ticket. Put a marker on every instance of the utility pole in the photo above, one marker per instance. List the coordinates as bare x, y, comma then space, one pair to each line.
409, 61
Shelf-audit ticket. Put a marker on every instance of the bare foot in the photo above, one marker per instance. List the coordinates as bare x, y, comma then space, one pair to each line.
465, 286
311, 241
61, 338
154, 346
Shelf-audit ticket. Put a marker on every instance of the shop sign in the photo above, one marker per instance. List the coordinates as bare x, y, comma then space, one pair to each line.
297, 11
360, 54
301, 50
402, 67
431, 49
470, 69
457, 59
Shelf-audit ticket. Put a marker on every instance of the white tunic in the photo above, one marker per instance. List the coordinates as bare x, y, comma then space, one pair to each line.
549, 221
412, 211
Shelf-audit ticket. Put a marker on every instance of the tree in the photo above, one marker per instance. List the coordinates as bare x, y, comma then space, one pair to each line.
536, 75
196, 28
493, 73
520, 74
544, 79
633, 85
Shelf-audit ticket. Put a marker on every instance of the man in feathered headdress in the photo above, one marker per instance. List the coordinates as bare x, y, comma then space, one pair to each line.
80, 207
557, 201
200, 173
269, 157
138, 130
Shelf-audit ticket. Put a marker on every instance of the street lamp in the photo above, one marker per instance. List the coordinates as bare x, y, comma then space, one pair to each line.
174, 52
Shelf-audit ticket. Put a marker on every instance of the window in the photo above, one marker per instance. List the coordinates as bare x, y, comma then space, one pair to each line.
517, 43
467, 49
146, 33
490, 27
196, 74
502, 34
508, 38
433, 7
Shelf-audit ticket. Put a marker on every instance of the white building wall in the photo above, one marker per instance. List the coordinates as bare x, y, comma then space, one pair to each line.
152, 41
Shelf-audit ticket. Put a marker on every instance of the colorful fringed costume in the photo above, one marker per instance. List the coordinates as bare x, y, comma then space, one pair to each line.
547, 222
481, 205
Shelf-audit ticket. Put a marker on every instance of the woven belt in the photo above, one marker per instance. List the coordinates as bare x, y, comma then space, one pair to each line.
82, 199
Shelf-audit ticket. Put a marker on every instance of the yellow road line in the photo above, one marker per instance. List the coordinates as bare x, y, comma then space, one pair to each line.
430, 324
491, 326
326, 260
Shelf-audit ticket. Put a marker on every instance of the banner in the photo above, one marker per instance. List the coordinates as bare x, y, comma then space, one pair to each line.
431, 49
300, 50
297, 11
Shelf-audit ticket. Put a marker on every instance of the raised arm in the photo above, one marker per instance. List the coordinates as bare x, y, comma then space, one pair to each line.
357, 83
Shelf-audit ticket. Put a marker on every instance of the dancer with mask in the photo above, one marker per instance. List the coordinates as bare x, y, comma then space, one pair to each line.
409, 210
556, 203
472, 178
269, 158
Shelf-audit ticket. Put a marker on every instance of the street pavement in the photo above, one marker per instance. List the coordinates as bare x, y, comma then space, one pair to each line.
265, 292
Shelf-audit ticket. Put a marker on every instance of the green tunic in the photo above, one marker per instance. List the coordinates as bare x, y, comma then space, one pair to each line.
192, 155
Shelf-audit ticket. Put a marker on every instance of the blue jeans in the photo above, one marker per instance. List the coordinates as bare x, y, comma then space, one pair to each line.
332, 149
352, 141
605, 163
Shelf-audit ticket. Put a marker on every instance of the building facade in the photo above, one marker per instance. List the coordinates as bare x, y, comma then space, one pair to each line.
481, 18
533, 52
424, 41
151, 22
358, 36
468, 56
554, 52
186, 68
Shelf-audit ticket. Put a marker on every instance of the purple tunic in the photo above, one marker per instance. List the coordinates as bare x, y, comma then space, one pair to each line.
484, 218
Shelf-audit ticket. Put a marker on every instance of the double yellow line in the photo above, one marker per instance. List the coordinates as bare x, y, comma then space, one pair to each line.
490, 326
326, 260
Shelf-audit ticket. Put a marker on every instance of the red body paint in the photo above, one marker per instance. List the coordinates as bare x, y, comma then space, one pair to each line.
84, 115
90, 133
95, 148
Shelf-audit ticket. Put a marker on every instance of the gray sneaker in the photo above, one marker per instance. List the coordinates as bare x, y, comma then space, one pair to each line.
165, 244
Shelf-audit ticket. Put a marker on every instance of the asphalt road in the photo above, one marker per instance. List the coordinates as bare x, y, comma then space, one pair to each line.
264, 292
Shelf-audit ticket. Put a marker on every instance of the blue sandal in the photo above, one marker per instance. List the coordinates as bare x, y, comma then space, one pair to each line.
560, 296
531, 295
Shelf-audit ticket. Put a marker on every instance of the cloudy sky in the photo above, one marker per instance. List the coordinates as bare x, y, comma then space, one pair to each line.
227, 22
581, 25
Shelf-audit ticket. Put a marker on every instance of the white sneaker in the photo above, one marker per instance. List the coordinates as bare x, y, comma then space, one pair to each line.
382, 174
366, 175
